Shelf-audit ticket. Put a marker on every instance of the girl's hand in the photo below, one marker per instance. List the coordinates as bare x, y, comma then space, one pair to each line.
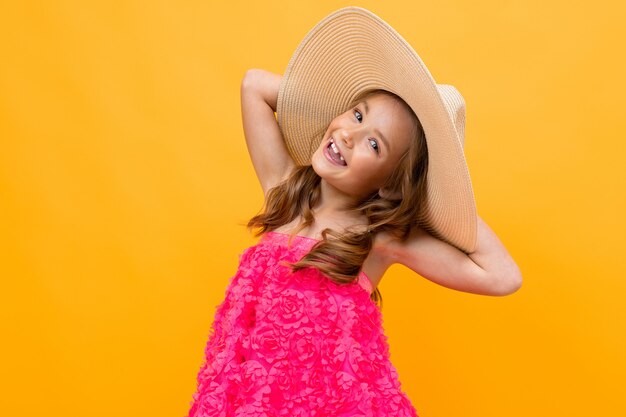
271, 161
489, 270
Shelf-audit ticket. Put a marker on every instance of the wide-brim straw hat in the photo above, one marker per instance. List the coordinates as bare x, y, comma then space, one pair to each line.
352, 51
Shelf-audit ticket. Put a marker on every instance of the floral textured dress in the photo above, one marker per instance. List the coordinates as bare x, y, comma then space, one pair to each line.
296, 344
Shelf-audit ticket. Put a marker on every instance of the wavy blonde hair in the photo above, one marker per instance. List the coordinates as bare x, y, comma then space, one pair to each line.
394, 209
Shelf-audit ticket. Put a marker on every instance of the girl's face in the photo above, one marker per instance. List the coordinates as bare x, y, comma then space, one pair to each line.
363, 146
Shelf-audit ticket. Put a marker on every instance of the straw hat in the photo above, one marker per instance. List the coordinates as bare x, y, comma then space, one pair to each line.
352, 50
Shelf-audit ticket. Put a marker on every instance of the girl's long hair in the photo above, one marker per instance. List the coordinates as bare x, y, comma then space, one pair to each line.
394, 209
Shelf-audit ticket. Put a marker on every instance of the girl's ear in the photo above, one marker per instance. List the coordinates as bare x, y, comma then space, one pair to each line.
389, 195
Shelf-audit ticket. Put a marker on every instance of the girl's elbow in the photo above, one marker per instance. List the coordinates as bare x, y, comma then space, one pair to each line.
250, 78
507, 284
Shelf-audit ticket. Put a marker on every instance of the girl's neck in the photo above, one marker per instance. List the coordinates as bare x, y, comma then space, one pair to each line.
333, 210
336, 208
335, 201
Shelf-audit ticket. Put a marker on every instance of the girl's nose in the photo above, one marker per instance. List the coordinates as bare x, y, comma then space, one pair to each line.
345, 135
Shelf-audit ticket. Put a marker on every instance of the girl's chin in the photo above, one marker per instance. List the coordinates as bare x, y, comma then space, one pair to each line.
318, 158
317, 164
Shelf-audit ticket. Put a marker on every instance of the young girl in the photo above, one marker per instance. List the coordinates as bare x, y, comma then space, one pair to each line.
363, 168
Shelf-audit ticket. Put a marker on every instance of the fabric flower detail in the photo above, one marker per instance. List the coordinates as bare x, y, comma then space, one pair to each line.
252, 393
287, 310
305, 346
268, 343
212, 402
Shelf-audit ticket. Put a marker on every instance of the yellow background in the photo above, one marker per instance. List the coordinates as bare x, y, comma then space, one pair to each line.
124, 182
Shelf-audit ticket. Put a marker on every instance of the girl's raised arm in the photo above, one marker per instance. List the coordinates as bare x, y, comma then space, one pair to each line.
489, 270
271, 161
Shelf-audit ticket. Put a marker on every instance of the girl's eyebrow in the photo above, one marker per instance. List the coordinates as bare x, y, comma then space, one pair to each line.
380, 135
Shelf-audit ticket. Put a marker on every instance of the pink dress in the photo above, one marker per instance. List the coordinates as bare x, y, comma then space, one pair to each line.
296, 344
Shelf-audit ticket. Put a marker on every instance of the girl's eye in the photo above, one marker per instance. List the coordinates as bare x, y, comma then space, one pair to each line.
374, 145
358, 115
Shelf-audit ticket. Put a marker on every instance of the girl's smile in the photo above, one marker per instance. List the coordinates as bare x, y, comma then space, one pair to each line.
333, 154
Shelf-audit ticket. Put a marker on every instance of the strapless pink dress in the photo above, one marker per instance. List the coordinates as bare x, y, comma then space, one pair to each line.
296, 344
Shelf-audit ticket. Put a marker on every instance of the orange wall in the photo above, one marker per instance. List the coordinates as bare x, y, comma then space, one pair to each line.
124, 180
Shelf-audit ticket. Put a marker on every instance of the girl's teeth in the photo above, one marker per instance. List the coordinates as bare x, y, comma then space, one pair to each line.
336, 150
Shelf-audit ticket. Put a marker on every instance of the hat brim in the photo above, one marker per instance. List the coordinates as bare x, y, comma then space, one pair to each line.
351, 51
